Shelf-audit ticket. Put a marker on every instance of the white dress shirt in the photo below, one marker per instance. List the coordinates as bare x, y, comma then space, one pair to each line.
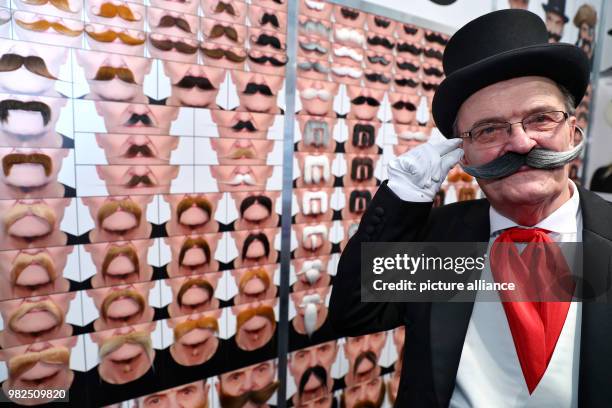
489, 373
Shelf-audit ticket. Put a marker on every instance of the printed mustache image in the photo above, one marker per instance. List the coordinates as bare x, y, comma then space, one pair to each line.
44, 224
44, 25
194, 302
250, 201
253, 397
263, 282
170, 21
320, 375
59, 4
349, 14
437, 38
362, 169
369, 356
275, 62
140, 338
106, 73
119, 209
218, 53
119, 305
407, 66
137, 180
316, 66
110, 10
195, 252
22, 363
360, 100
242, 153
265, 311
203, 323
36, 65
110, 36
222, 7
359, 200
429, 86
313, 46
409, 48
189, 81
30, 265
376, 40
135, 118
249, 252
265, 39
268, 18
406, 82
379, 59
511, 162
381, 22
431, 53
8, 105
219, 30
114, 262
169, 45
316, 133
404, 105
138, 151
364, 135
433, 71
253, 88
187, 216
410, 30
241, 125
20, 322
374, 77
19, 158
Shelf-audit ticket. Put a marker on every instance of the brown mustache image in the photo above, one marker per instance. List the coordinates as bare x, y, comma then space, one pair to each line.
24, 362
10, 160
44, 25
18, 211
115, 252
262, 310
109, 73
227, 7
129, 293
242, 153
188, 202
168, 45
136, 150
110, 10
198, 282
219, 30
259, 273
23, 260
110, 36
46, 305
257, 397
141, 338
194, 243
218, 53
34, 64
206, 323
108, 209
59, 4
169, 21
136, 180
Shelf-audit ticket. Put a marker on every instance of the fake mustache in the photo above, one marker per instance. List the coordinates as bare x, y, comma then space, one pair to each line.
242, 153
409, 48
431, 53
410, 30
275, 62
136, 180
106, 73
195, 282
319, 372
31, 106
189, 81
262, 310
250, 240
122, 293
241, 125
383, 41
375, 77
141, 338
313, 46
115, 252
18, 211
316, 133
24, 260
44, 25
169, 45
59, 4
34, 64
253, 88
189, 202
44, 305
218, 53
366, 355
536, 158
360, 100
12, 159
349, 14
268, 18
219, 30
255, 397
364, 135
259, 273
409, 82
225, 7
138, 150
249, 201
204, 323
135, 118
399, 105
381, 22
309, 303
191, 243
407, 66
169, 21
433, 71
265, 39
112, 207
110, 36
110, 10
22, 363
379, 59
437, 38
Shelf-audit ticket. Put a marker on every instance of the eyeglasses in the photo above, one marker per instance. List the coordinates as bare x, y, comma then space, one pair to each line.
539, 125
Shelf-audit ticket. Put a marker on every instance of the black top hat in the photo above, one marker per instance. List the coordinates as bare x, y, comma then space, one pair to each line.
498, 46
557, 7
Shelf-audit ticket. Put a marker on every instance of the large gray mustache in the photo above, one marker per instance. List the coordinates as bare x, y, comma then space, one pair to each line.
537, 158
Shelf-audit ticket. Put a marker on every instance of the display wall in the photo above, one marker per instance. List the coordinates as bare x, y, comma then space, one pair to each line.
142, 149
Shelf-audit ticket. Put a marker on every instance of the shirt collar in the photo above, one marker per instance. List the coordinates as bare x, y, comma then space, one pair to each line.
562, 220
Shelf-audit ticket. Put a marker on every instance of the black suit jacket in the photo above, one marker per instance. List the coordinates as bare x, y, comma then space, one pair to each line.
435, 332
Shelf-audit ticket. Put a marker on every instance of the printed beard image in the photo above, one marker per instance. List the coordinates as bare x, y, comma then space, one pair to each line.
255, 324
192, 254
253, 284
311, 310
255, 210
313, 239
315, 204
310, 273
193, 294
317, 134
33, 272
254, 247
363, 354
311, 370
249, 386
191, 213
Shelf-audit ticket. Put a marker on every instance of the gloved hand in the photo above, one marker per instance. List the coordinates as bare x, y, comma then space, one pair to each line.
418, 174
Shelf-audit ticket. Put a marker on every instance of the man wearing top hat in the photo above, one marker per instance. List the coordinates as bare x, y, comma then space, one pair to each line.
508, 99
555, 19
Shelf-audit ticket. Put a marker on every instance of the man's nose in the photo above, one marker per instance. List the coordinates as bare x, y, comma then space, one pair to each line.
519, 141
247, 383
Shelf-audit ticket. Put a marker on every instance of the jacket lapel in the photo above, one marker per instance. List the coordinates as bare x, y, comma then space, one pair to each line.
449, 321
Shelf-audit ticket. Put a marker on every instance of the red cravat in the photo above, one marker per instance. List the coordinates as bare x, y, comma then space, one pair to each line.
535, 326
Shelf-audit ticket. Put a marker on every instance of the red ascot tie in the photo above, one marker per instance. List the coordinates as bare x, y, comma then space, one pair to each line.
535, 326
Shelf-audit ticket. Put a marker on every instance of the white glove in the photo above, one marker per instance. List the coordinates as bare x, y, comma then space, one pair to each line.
418, 174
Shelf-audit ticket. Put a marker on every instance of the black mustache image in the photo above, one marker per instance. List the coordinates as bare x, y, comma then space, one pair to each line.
136, 180
36, 65
410, 30
381, 22
189, 82
407, 82
430, 52
169, 21
407, 66
349, 14
379, 59
252, 89
378, 78
265, 39
135, 118
360, 100
248, 125
437, 38
135, 150
363, 135
433, 71
263, 59
404, 105
412, 49
428, 87
376, 40
32, 106
268, 18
